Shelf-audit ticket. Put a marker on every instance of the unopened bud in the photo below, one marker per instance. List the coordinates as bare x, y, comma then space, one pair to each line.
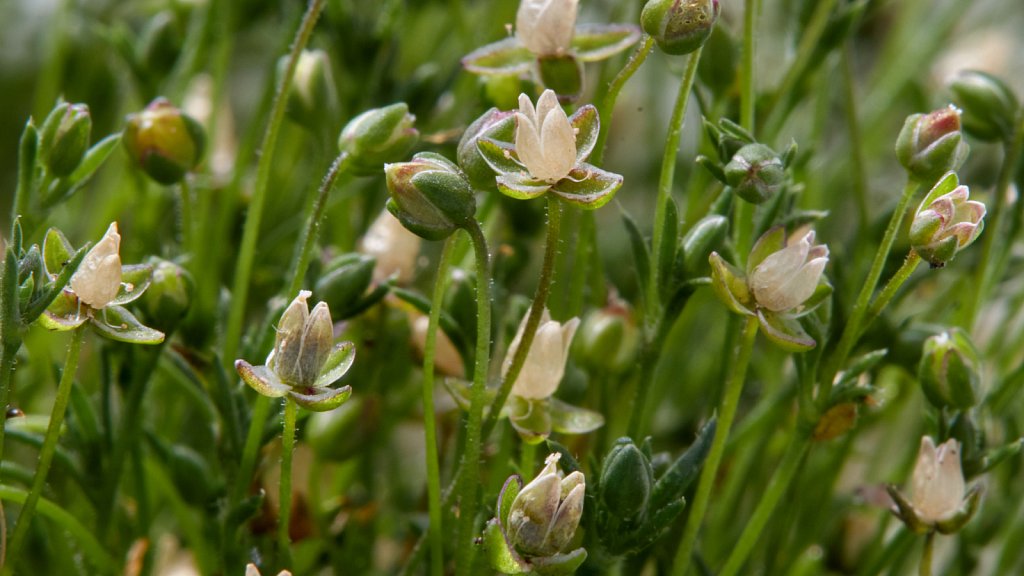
949, 370
494, 124
608, 340
679, 26
169, 295
989, 105
303, 342
378, 136
312, 91
345, 280
545, 514
430, 195
626, 480
164, 141
930, 145
65, 137
756, 173
946, 223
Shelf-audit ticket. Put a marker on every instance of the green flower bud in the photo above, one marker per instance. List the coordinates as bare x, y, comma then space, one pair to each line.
949, 370
430, 195
563, 74
989, 105
377, 136
545, 514
65, 137
929, 145
609, 340
346, 279
679, 26
494, 124
946, 224
164, 141
169, 295
626, 480
312, 91
756, 173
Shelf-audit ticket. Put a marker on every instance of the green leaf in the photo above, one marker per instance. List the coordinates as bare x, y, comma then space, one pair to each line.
506, 57
569, 419
785, 332
521, 186
593, 42
28, 148
674, 482
587, 124
641, 254
91, 162
337, 364
320, 399
860, 365
587, 186
135, 279
119, 324
667, 250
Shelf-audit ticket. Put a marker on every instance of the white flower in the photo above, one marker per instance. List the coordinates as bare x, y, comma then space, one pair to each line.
938, 487
98, 279
546, 27
785, 279
545, 362
447, 359
545, 140
394, 247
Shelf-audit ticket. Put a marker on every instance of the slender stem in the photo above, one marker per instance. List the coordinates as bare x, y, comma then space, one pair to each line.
1011, 153
925, 569
470, 482
891, 287
435, 530
540, 297
651, 353
304, 250
8, 356
860, 308
614, 88
668, 171
780, 482
187, 222
727, 412
527, 456
260, 412
247, 251
858, 174
284, 538
46, 453
744, 211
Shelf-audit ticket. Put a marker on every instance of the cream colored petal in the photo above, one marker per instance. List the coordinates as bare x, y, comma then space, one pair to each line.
558, 143
546, 104
528, 146
98, 278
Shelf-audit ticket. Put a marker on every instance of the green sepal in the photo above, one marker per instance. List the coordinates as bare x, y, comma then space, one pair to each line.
730, 286
964, 514
499, 552
586, 123
594, 42
785, 331
568, 419
531, 418
521, 186
506, 57
563, 74
906, 512
587, 186
320, 399
945, 185
421, 229
449, 193
54, 289
337, 364
261, 379
63, 313
769, 243
117, 323
56, 251
559, 564
500, 156
135, 279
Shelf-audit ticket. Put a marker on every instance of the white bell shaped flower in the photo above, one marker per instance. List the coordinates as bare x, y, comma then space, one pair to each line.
545, 139
546, 27
545, 362
787, 278
98, 279
938, 486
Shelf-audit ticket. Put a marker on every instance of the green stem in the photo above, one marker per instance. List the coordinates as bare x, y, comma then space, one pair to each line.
304, 250
891, 287
527, 456
925, 569
614, 88
435, 530
744, 211
250, 235
284, 539
90, 546
858, 176
187, 223
651, 353
668, 171
780, 482
1011, 153
860, 308
470, 482
260, 412
540, 297
60, 404
727, 413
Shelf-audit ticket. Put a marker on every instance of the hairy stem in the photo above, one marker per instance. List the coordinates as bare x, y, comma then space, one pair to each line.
284, 539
